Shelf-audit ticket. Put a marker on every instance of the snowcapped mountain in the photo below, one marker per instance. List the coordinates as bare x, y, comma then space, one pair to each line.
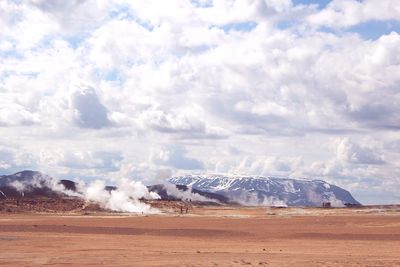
268, 191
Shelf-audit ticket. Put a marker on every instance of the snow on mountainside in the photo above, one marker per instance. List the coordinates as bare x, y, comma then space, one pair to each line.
268, 191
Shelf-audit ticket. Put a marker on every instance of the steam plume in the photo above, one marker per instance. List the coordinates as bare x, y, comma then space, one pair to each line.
125, 198
188, 194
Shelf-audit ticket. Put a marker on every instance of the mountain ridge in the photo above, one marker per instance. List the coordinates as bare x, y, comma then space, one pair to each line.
259, 190
224, 189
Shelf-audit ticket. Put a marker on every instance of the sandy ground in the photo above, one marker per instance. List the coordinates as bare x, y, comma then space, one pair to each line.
207, 236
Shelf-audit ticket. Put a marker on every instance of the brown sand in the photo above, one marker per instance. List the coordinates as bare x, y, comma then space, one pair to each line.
207, 236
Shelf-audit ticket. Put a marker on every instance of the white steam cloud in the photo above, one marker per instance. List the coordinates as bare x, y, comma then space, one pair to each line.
37, 181
247, 198
188, 194
125, 198
318, 199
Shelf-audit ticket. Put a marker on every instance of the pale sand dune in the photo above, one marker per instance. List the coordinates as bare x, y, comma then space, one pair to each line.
208, 236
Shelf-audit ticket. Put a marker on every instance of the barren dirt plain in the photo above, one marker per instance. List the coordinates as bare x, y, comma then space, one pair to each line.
206, 236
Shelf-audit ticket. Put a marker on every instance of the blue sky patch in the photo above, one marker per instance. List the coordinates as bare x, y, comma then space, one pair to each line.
112, 75
374, 29
321, 3
243, 26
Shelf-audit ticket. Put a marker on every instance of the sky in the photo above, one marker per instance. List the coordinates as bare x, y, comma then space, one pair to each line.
151, 89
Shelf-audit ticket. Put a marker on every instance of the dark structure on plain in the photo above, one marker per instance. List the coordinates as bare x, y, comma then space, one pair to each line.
326, 204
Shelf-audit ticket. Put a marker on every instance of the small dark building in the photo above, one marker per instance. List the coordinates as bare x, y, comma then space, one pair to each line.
352, 205
326, 204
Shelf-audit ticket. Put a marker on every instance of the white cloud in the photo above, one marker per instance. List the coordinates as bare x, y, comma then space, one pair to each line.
81, 159
14, 115
348, 151
89, 111
147, 90
175, 156
263, 108
345, 13
23, 26
185, 126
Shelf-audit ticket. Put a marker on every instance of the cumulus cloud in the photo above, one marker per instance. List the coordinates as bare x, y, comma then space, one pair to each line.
181, 124
14, 115
57, 6
345, 13
6, 158
14, 159
175, 156
351, 152
73, 17
267, 166
90, 112
175, 86
81, 159
167, 122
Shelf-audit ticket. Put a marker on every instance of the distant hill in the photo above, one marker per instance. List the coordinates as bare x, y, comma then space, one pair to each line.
35, 184
32, 184
244, 190
268, 190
